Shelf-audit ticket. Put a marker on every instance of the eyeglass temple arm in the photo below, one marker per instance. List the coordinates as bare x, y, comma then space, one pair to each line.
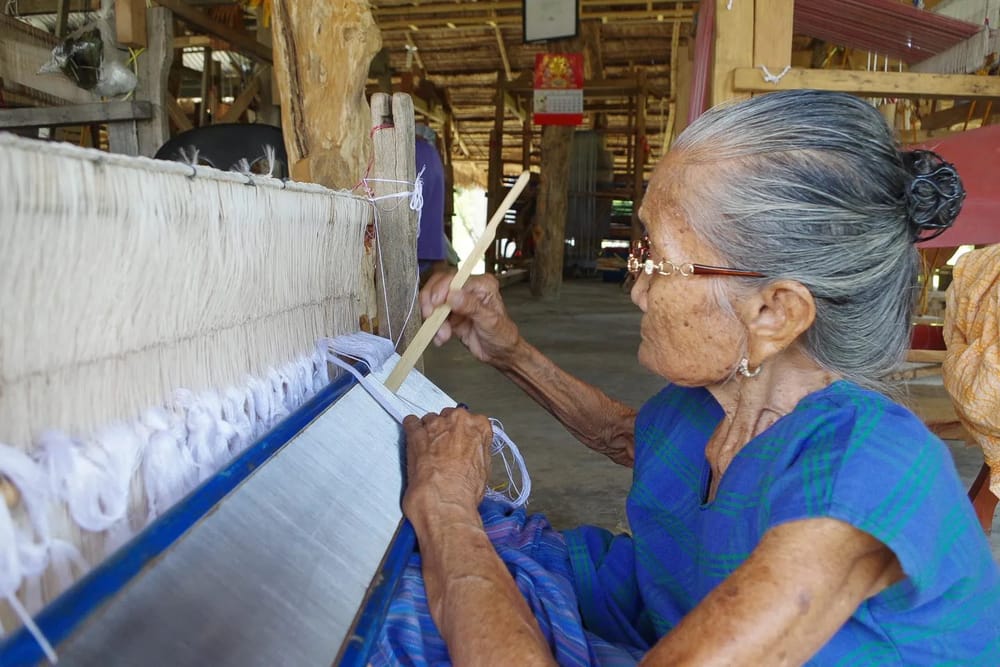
723, 271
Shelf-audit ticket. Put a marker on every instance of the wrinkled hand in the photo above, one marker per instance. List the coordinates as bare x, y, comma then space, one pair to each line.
478, 316
447, 460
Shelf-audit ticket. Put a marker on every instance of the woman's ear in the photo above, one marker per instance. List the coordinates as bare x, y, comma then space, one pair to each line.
775, 317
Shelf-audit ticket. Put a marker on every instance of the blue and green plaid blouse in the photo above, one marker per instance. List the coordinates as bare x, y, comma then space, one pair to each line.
844, 453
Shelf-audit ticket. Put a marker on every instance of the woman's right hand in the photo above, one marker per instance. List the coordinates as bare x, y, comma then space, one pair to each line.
478, 317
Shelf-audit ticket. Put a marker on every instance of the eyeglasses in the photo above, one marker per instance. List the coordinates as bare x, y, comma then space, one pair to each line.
639, 262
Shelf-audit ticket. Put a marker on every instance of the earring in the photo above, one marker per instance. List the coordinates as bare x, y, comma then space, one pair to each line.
745, 369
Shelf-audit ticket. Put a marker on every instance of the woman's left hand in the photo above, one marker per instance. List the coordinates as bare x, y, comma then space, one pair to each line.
447, 460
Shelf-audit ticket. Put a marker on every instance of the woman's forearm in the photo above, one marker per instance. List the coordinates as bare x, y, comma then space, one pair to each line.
473, 599
598, 421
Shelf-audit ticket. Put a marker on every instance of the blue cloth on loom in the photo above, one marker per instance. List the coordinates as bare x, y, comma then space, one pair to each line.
844, 452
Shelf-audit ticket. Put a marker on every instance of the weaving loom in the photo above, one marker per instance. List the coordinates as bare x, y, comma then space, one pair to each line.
183, 482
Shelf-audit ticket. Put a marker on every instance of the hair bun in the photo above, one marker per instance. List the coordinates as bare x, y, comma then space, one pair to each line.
934, 197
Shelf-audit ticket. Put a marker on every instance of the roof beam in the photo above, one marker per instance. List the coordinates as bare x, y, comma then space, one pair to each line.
242, 103
75, 114
942, 118
513, 106
594, 58
483, 18
412, 48
503, 52
36, 7
875, 84
240, 40
486, 6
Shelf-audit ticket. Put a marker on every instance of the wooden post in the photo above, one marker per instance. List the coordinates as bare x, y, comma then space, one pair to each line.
494, 194
682, 91
668, 134
448, 143
732, 46
772, 34
206, 85
268, 112
526, 134
130, 23
551, 209
122, 137
62, 17
154, 71
630, 135
397, 222
639, 173
322, 76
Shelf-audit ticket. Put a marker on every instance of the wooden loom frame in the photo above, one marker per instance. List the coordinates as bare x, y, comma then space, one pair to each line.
394, 261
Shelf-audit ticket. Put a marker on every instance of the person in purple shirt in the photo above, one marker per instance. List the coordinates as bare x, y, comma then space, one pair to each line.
431, 249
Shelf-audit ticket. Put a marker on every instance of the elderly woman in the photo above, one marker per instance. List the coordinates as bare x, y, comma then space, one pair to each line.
783, 510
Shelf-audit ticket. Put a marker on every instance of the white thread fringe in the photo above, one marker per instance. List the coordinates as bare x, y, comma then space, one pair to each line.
163, 455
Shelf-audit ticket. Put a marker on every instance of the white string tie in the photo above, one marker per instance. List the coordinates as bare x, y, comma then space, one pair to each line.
729, 5
271, 155
417, 198
502, 444
774, 78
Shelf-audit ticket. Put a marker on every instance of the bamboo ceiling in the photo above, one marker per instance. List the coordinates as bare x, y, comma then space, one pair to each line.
464, 48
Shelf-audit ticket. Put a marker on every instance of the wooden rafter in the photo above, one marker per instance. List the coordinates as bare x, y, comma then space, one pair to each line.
503, 52
241, 40
242, 102
414, 50
37, 7
483, 16
884, 84
75, 114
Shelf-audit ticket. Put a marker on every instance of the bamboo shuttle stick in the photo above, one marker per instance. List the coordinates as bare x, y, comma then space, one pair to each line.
430, 326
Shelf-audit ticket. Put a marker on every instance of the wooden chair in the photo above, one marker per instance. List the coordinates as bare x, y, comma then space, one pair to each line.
983, 500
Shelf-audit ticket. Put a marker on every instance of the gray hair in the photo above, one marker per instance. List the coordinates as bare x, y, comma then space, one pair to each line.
810, 186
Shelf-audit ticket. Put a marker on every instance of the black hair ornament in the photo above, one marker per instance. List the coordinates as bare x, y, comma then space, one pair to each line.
935, 195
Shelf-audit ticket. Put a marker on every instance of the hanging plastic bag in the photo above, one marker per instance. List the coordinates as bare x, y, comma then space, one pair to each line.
90, 59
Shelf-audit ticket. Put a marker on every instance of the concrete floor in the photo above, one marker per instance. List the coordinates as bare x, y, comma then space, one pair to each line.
592, 331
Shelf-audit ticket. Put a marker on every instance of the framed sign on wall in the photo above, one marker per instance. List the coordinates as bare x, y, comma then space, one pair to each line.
549, 19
